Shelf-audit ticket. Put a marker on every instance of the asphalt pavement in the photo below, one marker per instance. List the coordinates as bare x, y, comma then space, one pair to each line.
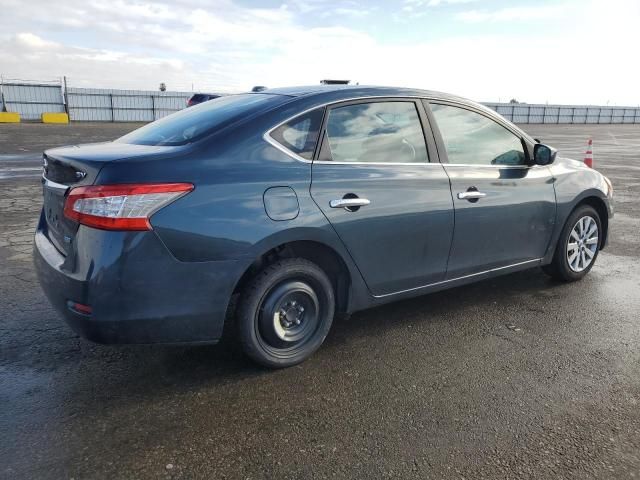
514, 377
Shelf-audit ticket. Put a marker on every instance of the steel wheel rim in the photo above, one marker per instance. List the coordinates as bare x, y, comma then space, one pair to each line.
582, 244
288, 317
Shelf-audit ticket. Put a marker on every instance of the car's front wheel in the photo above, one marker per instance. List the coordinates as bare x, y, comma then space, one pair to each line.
578, 245
285, 312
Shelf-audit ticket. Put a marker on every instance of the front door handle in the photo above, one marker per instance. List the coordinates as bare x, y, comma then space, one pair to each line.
349, 204
471, 195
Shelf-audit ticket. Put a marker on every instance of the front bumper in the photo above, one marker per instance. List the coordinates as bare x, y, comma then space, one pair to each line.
138, 292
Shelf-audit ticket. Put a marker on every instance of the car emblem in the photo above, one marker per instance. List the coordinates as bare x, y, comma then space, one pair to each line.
80, 175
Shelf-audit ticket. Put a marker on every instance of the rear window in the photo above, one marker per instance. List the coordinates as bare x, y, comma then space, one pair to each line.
193, 123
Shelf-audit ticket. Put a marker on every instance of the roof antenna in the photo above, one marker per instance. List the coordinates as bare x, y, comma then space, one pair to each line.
334, 82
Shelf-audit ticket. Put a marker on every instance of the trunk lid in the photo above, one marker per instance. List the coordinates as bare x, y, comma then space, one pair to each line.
68, 167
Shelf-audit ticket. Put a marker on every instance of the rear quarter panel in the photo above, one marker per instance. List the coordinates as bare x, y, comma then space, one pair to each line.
224, 218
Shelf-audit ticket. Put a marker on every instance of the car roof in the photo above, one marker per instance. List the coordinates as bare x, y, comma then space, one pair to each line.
359, 90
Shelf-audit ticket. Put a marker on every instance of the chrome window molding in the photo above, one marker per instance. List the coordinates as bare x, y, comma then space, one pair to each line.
297, 157
497, 269
420, 164
473, 165
269, 139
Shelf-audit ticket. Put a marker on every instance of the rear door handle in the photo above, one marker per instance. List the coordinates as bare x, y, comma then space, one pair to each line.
471, 195
349, 204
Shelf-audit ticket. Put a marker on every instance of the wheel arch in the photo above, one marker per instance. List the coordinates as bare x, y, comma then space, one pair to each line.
599, 206
318, 252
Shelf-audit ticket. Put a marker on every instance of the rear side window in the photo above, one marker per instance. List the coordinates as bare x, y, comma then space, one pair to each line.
300, 134
193, 123
377, 132
473, 139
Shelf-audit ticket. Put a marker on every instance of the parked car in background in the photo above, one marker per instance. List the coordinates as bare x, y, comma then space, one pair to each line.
258, 88
197, 98
301, 203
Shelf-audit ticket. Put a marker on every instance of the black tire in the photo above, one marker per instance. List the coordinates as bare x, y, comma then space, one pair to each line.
288, 291
559, 268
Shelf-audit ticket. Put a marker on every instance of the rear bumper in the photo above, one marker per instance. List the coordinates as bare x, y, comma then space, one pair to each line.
138, 292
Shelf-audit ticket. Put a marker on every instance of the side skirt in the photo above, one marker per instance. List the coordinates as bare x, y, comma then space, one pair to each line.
454, 282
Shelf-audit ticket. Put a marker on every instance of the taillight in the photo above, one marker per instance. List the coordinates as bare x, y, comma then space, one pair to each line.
121, 207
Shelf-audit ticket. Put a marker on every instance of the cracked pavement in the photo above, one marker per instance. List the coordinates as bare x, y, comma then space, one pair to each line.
514, 377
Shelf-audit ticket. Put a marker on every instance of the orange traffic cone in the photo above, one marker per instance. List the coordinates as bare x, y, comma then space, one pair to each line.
588, 155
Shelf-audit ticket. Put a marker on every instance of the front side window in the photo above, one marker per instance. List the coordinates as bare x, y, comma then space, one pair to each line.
379, 132
300, 134
473, 139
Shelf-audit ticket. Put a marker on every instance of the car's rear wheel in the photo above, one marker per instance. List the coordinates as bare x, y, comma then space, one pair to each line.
285, 312
578, 245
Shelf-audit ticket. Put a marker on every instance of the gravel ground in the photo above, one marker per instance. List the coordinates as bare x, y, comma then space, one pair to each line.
514, 377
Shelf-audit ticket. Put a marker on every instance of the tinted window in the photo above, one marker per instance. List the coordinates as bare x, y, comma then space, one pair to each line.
471, 138
388, 132
300, 134
192, 123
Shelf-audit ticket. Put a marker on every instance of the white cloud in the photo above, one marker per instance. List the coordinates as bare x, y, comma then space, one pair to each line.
218, 45
29, 40
413, 5
435, 3
349, 12
511, 14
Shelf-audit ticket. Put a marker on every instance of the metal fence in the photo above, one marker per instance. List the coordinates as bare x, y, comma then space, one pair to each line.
101, 105
31, 99
567, 114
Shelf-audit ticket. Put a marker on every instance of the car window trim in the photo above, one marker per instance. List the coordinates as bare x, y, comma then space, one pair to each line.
424, 100
417, 100
287, 150
386, 99
269, 139
442, 151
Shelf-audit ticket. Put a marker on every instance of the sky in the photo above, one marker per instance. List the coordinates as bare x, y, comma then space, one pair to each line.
536, 51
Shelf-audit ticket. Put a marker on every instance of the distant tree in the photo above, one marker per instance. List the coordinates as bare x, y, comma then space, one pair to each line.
163, 87
513, 100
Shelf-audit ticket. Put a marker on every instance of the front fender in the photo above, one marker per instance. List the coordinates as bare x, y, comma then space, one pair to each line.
575, 184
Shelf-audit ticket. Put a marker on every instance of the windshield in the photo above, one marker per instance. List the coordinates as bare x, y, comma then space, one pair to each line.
190, 124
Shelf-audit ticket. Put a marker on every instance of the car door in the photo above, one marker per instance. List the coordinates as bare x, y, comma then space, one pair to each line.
389, 204
504, 208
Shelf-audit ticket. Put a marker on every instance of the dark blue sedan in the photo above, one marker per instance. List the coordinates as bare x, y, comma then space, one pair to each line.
303, 203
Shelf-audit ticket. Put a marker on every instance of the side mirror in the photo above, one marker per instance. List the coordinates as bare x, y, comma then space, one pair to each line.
543, 154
